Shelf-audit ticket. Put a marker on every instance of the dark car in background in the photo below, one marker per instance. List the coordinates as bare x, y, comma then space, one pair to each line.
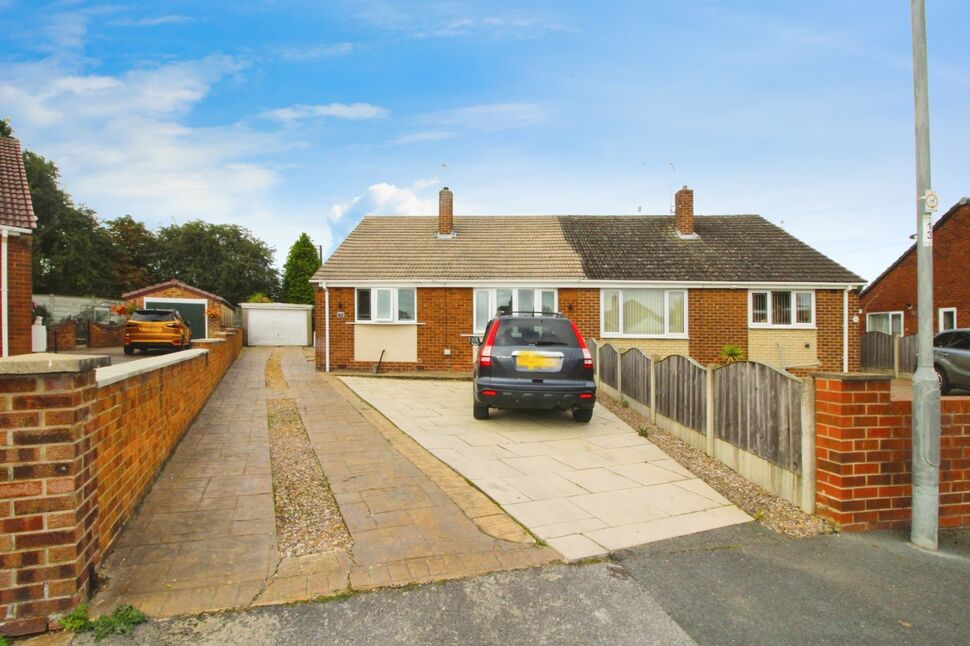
951, 359
533, 361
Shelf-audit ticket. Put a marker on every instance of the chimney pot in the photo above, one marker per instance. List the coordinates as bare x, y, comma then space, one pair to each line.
446, 225
684, 212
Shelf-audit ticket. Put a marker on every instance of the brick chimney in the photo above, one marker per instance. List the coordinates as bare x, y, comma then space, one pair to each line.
684, 212
446, 216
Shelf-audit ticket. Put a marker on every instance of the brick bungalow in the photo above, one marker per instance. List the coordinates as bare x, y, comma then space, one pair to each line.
17, 223
889, 302
204, 310
416, 288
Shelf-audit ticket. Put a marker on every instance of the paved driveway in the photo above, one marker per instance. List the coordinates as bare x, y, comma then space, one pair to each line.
585, 489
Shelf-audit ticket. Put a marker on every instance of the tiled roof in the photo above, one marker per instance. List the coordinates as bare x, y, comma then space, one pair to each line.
173, 283
15, 207
729, 248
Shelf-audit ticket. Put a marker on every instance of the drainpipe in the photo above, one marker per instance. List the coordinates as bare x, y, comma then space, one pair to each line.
326, 323
845, 330
4, 296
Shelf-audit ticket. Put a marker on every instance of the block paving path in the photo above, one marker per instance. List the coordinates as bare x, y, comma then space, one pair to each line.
204, 538
585, 489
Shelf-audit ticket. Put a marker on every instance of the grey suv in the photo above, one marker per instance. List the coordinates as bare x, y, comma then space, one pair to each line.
533, 361
951, 359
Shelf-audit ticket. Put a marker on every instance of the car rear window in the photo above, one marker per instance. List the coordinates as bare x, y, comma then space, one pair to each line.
535, 331
153, 315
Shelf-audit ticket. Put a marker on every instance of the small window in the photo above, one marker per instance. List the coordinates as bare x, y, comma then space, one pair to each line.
885, 322
548, 301
948, 318
384, 311
611, 312
491, 301
803, 307
782, 309
363, 304
406, 310
759, 307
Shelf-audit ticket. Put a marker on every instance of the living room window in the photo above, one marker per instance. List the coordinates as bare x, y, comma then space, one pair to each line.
387, 305
644, 313
489, 301
781, 308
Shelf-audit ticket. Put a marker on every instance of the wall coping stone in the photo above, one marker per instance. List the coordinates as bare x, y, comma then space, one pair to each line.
40, 363
208, 340
853, 376
113, 374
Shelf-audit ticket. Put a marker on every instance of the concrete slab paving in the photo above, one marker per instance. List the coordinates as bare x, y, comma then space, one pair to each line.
586, 489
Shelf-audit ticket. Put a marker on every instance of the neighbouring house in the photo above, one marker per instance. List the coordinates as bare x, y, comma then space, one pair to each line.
410, 291
17, 223
207, 313
889, 302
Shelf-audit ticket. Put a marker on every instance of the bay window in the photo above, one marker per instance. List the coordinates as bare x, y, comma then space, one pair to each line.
781, 308
490, 301
387, 305
644, 312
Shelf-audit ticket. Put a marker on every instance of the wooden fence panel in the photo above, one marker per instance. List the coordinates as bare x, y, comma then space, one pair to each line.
635, 371
681, 391
758, 409
608, 365
907, 354
877, 351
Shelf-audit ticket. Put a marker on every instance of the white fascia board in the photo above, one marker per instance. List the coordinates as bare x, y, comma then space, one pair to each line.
572, 283
15, 230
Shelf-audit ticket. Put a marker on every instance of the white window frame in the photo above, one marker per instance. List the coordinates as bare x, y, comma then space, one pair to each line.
666, 335
939, 315
395, 309
493, 297
794, 310
891, 313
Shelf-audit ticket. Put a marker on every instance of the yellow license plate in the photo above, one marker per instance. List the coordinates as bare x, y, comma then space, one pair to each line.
533, 361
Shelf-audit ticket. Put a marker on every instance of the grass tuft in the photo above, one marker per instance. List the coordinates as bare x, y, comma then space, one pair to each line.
120, 622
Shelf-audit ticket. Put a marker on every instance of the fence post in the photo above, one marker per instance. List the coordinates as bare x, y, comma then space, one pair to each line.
709, 411
896, 355
619, 374
653, 389
808, 445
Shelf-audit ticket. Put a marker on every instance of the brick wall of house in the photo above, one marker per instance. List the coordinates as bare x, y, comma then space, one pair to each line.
341, 334
583, 307
716, 317
447, 314
896, 291
108, 336
215, 323
75, 460
19, 297
864, 455
62, 337
829, 320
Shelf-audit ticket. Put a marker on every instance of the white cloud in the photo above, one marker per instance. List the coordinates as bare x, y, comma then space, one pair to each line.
420, 137
334, 110
387, 199
171, 19
329, 50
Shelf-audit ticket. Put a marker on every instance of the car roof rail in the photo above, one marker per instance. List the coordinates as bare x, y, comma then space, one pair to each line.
530, 313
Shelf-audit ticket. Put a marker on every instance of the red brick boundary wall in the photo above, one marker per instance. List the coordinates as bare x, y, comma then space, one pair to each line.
864, 454
76, 458
105, 336
61, 337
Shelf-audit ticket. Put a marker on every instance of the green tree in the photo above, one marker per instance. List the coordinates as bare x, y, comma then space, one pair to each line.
301, 263
225, 259
72, 254
6, 130
135, 246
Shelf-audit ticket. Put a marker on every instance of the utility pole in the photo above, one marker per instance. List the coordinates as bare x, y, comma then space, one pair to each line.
926, 387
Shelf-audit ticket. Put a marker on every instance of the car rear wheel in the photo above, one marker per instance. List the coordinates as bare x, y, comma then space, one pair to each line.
480, 412
944, 382
129, 350
583, 415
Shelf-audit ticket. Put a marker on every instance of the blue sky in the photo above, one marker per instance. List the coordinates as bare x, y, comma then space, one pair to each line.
303, 116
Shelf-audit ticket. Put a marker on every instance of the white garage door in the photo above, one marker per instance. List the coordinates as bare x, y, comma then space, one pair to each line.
277, 327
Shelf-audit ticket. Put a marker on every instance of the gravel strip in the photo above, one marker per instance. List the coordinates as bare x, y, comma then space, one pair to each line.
308, 520
274, 373
771, 511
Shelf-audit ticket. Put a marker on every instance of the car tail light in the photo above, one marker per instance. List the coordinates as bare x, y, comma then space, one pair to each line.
587, 357
489, 393
585, 395
172, 325
485, 354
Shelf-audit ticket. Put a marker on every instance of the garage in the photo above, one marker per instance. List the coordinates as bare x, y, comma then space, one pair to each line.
277, 324
193, 311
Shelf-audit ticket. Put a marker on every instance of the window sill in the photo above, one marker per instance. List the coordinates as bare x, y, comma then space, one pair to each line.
657, 337
761, 326
384, 323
